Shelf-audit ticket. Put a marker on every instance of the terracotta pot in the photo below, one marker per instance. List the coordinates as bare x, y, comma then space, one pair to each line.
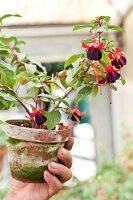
30, 150
3, 151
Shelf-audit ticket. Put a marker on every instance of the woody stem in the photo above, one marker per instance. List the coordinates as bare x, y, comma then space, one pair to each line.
99, 36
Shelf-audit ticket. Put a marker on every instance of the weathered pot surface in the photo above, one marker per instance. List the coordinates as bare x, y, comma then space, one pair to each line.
35, 135
30, 150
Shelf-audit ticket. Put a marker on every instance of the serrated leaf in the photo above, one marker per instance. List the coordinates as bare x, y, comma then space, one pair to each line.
53, 118
84, 92
94, 91
72, 59
115, 28
80, 26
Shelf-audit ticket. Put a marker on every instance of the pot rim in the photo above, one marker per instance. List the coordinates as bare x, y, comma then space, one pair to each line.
34, 129
35, 135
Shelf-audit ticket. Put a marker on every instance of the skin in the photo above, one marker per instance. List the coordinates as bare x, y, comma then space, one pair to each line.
57, 174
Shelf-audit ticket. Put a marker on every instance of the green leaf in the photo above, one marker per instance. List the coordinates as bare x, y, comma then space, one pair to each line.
87, 41
105, 58
114, 88
79, 26
94, 91
7, 16
63, 101
7, 96
39, 65
55, 86
106, 18
115, 28
72, 59
62, 77
84, 92
89, 78
53, 118
7, 75
3, 138
123, 81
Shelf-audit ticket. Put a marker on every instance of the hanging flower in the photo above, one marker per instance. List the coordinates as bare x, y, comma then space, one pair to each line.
39, 118
77, 114
112, 74
117, 58
94, 50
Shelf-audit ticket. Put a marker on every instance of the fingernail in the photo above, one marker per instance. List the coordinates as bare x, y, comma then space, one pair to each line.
64, 152
53, 165
46, 174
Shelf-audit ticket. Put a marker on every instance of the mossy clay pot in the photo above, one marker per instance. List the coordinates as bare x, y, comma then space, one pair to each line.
30, 150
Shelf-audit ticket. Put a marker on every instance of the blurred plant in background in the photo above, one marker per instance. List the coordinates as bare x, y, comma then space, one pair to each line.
113, 180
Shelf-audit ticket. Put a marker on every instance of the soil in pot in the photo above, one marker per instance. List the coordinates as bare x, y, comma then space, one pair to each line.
30, 150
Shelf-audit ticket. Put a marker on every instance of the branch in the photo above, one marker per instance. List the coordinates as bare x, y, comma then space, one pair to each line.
63, 98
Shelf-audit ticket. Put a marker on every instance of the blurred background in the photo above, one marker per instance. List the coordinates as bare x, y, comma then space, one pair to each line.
46, 26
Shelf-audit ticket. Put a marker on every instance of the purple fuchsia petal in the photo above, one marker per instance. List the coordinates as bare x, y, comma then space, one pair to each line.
115, 76
122, 60
94, 54
111, 77
73, 118
116, 63
40, 119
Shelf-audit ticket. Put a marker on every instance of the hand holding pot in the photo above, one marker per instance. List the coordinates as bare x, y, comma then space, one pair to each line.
43, 191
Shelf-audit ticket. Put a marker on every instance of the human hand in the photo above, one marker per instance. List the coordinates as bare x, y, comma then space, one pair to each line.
58, 174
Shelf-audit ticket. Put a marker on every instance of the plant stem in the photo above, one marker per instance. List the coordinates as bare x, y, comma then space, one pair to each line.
11, 91
63, 98
99, 34
22, 104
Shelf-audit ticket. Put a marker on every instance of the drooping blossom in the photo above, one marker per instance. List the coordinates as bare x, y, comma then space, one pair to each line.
39, 118
94, 50
111, 74
117, 58
77, 114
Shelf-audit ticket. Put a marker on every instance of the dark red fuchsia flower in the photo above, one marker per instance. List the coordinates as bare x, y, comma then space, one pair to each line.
77, 114
39, 118
111, 74
94, 50
117, 58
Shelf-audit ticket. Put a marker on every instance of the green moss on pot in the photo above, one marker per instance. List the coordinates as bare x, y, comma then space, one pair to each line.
29, 160
29, 174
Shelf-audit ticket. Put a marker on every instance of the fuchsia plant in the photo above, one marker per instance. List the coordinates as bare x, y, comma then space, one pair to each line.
99, 65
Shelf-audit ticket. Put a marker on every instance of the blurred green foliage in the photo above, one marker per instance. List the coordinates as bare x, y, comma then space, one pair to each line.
114, 181
2, 138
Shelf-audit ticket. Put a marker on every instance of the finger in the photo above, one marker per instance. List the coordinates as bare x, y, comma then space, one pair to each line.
65, 157
61, 171
69, 144
54, 185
